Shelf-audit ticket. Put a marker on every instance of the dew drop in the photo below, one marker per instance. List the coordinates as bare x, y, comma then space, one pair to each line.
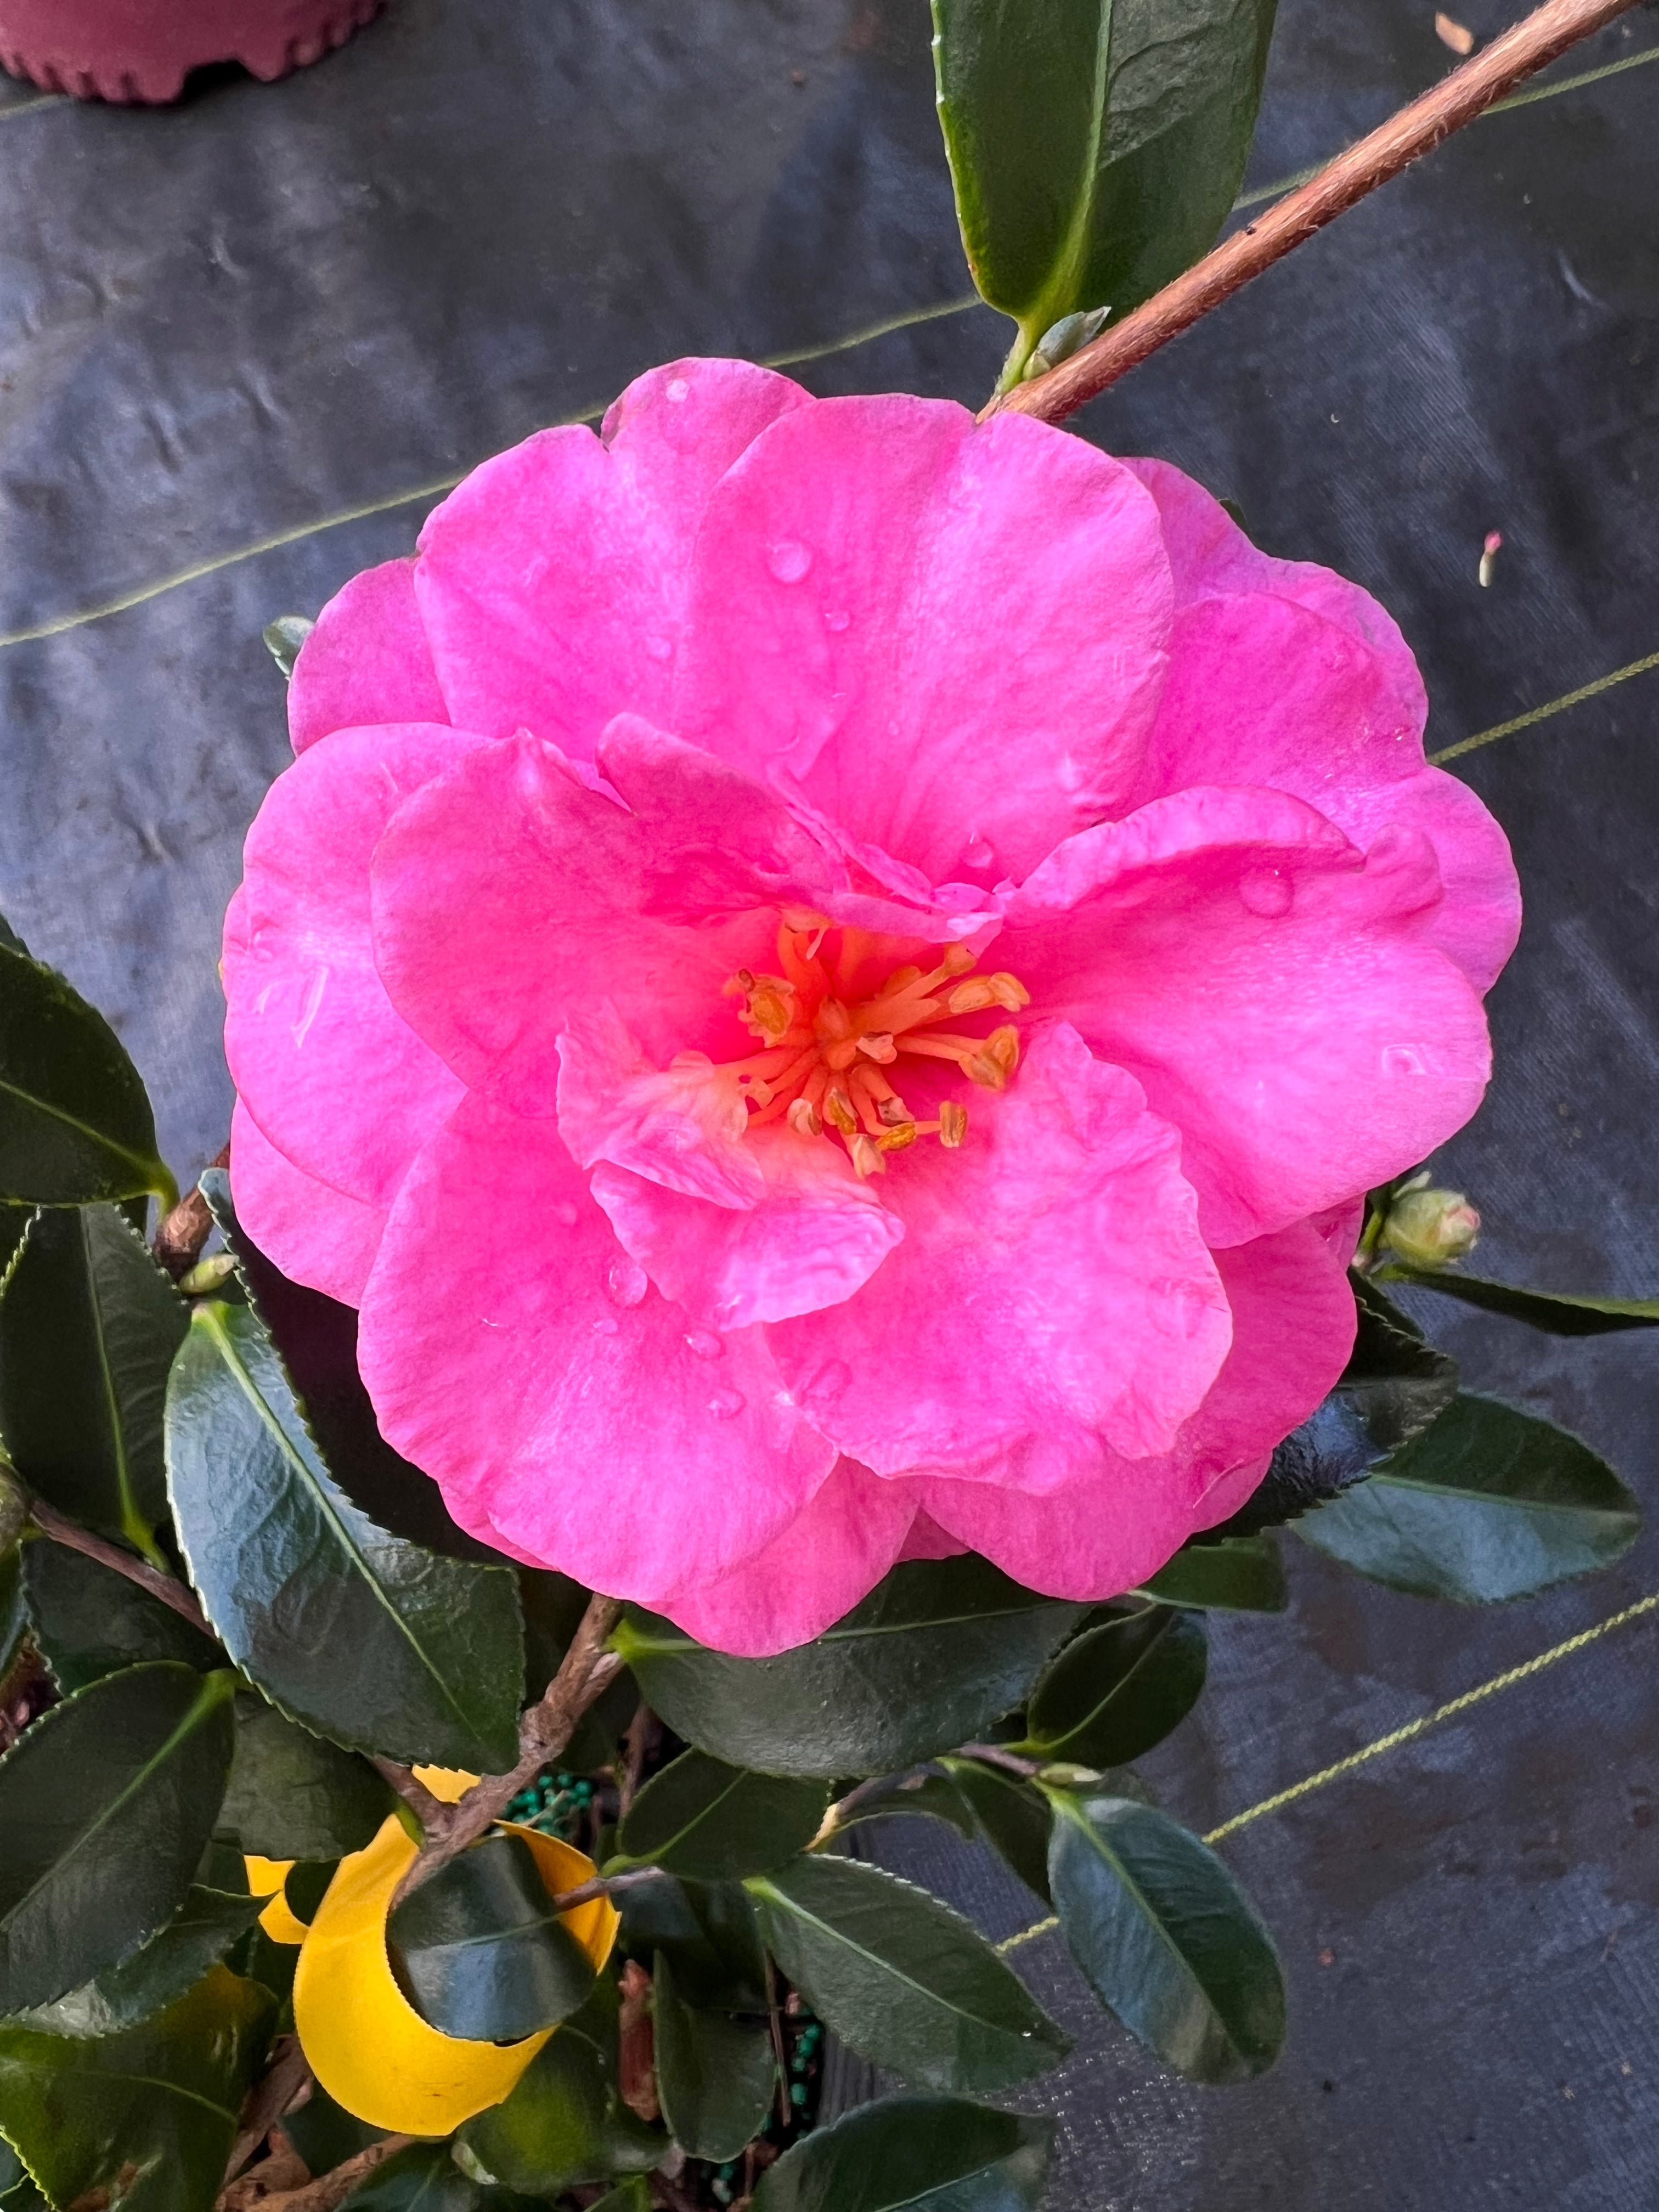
828, 1384
659, 648
978, 852
1266, 891
1072, 774
626, 1281
837, 619
703, 1344
1402, 1059
788, 559
726, 1405
604, 1326
566, 1212
678, 390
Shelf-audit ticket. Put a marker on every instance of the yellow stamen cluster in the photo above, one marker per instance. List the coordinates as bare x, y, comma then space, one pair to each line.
826, 1041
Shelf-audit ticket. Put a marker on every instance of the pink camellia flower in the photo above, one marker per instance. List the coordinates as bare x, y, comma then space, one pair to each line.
829, 980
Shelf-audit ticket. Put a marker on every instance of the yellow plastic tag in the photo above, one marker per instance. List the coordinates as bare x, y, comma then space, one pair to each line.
367, 2044
265, 1878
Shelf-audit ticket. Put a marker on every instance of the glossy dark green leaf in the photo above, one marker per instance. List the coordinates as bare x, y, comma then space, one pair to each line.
633, 2194
159, 2103
294, 1796
1012, 1814
316, 1340
902, 1979
206, 1926
716, 2076
75, 1123
324, 2133
1488, 1504
293, 1575
1243, 1574
14, 1228
1559, 1313
564, 2124
710, 1822
709, 1933
423, 2178
913, 2155
1394, 1385
13, 1614
931, 1658
87, 1332
1096, 146
480, 1951
89, 1621
1166, 1937
105, 1807
1118, 1689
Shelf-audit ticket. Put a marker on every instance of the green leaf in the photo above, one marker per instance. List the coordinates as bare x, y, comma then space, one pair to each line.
105, 1807
1166, 1937
480, 1951
294, 1575
1560, 1313
902, 1979
89, 1621
1012, 1814
1118, 1689
937, 1652
633, 2195
1394, 1385
1243, 1574
75, 1121
423, 2178
284, 639
293, 1795
716, 2076
913, 2155
1096, 146
13, 1614
1488, 1504
564, 2124
711, 1823
324, 2133
206, 1926
87, 1332
710, 1934
153, 2110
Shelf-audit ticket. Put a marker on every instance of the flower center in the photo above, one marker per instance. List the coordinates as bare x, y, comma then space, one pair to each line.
832, 1048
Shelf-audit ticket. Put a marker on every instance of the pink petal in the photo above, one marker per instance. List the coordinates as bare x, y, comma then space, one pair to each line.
685, 1125
832, 1554
514, 1352
314, 1233
366, 660
1117, 1522
337, 1080
1274, 990
927, 1541
814, 1236
509, 895
553, 582
1264, 690
951, 637
1052, 1289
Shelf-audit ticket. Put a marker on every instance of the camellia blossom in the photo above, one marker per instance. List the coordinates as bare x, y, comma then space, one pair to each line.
830, 980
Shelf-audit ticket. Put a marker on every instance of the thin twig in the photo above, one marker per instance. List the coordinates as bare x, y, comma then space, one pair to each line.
993, 1754
167, 1588
270, 2098
1416, 130
331, 2189
543, 1731
179, 1239
428, 1810
636, 1746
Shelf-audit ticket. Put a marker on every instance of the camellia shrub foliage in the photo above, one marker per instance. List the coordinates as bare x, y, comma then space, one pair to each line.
835, 1027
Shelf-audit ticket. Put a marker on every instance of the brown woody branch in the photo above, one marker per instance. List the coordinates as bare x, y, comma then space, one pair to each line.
329, 2190
179, 1239
167, 1588
1415, 131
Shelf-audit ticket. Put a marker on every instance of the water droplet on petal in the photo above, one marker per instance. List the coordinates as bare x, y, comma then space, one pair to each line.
837, 619
978, 852
659, 648
1072, 774
788, 559
726, 1405
678, 390
828, 1384
566, 1213
1402, 1060
626, 1281
604, 1326
703, 1343
1266, 891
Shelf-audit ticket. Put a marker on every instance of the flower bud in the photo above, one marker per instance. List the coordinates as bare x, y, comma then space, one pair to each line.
1427, 1228
1064, 339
